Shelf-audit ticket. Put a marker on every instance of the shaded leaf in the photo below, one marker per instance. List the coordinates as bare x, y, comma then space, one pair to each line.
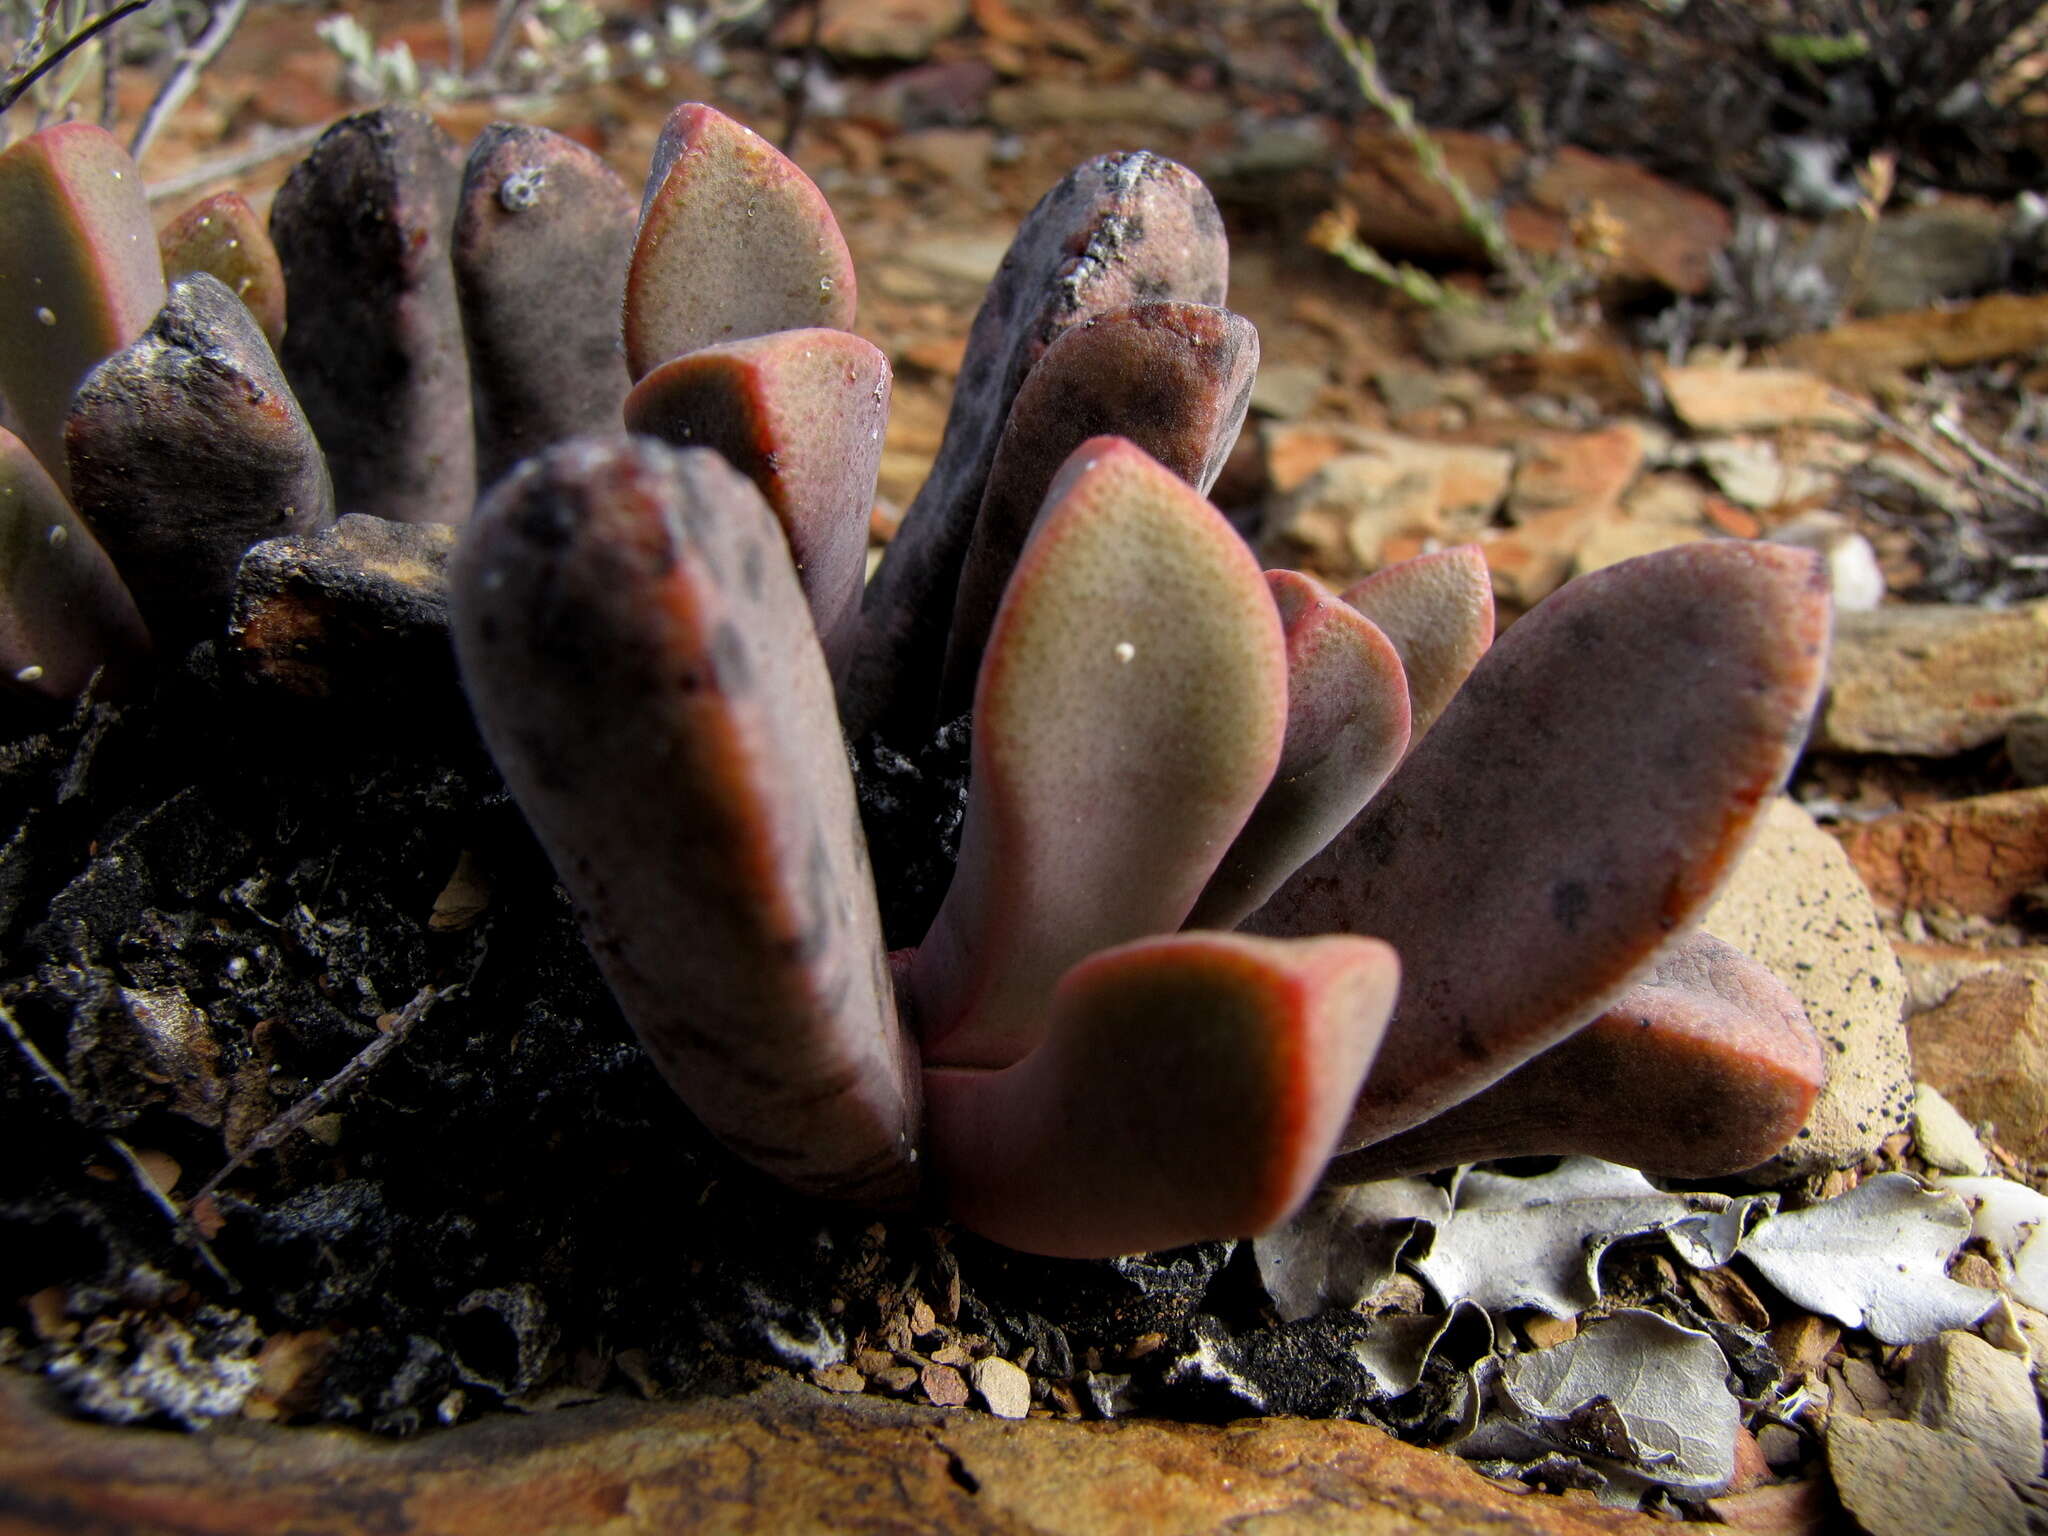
643, 666
1875, 1258
1137, 665
1688, 676
1347, 726
1712, 1038
1343, 1245
79, 273
734, 241
1188, 1087
64, 613
1118, 230
543, 229
373, 340
1175, 379
222, 235
1438, 611
187, 447
1399, 1348
801, 414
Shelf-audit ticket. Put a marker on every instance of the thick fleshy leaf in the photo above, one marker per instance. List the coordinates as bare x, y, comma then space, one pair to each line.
542, 233
79, 273
373, 344
1438, 611
1130, 712
1707, 1068
1189, 1087
734, 241
64, 613
1347, 726
1118, 230
1176, 379
642, 663
186, 447
1630, 728
801, 414
222, 235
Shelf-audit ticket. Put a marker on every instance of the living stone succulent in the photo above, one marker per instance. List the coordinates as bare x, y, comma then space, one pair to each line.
1255, 882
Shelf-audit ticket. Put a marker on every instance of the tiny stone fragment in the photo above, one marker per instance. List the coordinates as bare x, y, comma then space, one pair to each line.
1003, 1388
946, 1387
839, 1378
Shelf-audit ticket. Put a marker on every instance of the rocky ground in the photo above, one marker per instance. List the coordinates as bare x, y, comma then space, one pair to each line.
1747, 344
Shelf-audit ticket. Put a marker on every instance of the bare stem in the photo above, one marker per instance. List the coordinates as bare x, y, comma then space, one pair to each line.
191, 60
1362, 59
14, 90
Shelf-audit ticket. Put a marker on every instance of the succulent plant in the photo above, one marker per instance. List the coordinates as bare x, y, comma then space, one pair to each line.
1254, 881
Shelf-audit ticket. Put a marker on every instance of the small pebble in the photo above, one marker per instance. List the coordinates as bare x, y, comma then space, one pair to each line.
945, 1386
1004, 1388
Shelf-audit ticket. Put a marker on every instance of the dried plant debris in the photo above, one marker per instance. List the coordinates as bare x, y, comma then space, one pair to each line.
1635, 1396
1537, 1242
1875, 1258
2011, 1217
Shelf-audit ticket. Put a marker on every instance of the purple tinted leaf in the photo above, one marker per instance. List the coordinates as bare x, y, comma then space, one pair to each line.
1189, 1087
643, 666
1438, 611
1347, 726
222, 235
1575, 806
542, 233
1175, 379
374, 345
1707, 1068
734, 241
63, 611
186, 447
1119, 230
79, 273
801, 414
1130, 711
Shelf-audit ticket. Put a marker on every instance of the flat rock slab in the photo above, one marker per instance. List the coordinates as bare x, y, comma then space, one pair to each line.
784, 1457
1932, 680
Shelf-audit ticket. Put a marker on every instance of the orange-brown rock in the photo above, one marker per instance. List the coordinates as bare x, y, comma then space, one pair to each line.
1986, 1050
784, 1458
1873, 354
1973, 855
1710, 399
1932, 679
1666, 234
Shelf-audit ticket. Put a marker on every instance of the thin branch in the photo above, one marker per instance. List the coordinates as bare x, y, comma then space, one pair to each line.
1362, 59
1950, 428
451, 22
185, 1233
796, 99
10, 94
229, 166
352, 1071
510, 12
192, 59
